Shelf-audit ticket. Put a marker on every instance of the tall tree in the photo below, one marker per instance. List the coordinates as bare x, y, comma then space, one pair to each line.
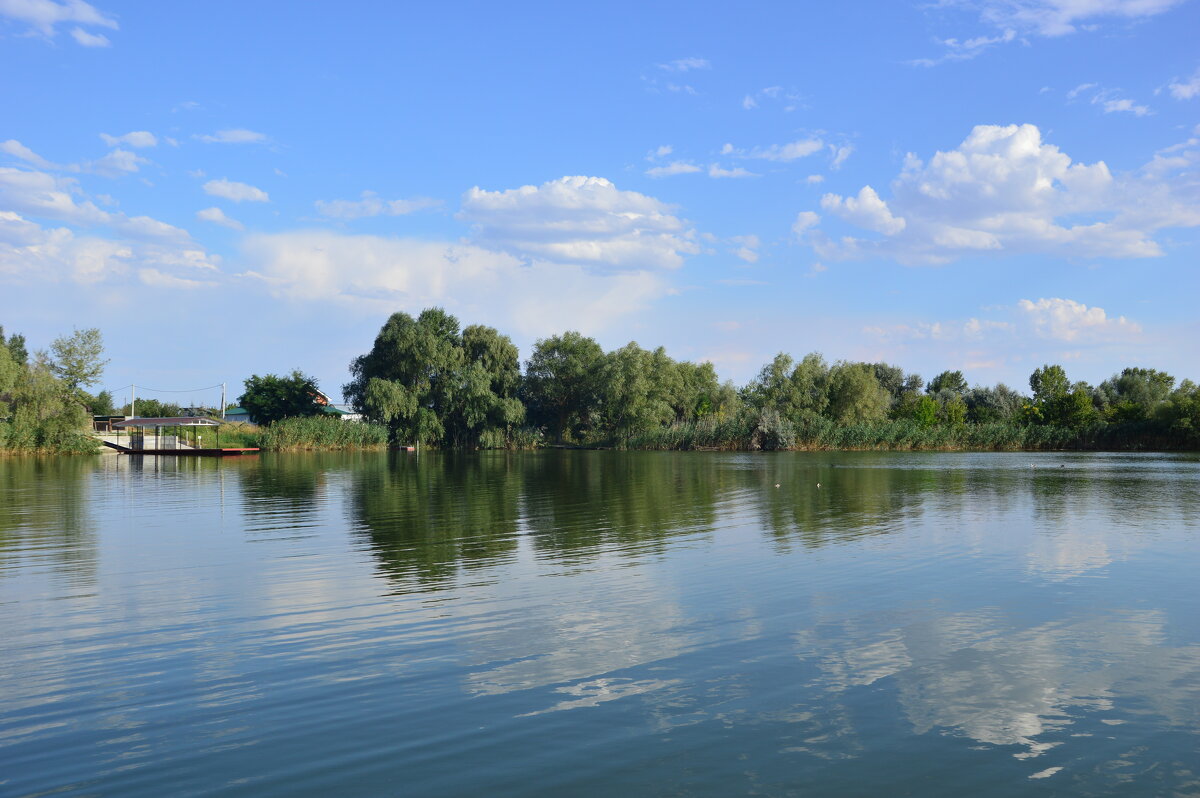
562, 384
855, 395
78, 359
270, 398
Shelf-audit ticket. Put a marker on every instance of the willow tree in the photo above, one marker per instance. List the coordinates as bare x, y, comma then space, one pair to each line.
430, 383
562, 384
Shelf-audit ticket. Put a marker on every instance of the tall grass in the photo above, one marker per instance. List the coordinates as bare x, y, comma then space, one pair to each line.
320, 432
749, 432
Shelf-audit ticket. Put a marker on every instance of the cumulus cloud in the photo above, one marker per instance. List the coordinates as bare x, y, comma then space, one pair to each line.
1109, 100
581, 220
217, 216
44, 16
233, 136
1009, 337
136, 139
1004, 190
1068, 320
46, 196
234, 191
29, 251
534, 298
866, 210
372, 205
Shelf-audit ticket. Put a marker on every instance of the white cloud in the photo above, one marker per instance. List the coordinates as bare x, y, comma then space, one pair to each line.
234, 136
583, 220
673, 168
154, 277
43, 195
660, 152
1080, 89
715, 170
1123, 105
136, 139
685, 65
778, 96
1005, 190
44, 15
778, 152
237, 192
748, 249
1186, 89
30, 252
372, 205
805, 220
839, 154
534, 298
966, 49
1067, 320
116, 163
86, 39
866, 210
217, 216
143, 227
16, 148
813, 180
1061, 17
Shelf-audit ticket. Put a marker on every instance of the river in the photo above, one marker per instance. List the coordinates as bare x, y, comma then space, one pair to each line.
600, 624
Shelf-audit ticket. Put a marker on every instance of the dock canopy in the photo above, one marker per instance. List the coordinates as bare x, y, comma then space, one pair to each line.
177, 421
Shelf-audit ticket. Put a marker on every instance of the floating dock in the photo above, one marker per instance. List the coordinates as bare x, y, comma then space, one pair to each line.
169, 445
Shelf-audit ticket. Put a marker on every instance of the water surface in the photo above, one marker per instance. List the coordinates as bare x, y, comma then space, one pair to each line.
600, 623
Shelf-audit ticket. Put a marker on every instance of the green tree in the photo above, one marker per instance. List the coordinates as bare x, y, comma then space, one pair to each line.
1048, 382
789, 388
948, 381
562, 384
270, 398
15, 344
855, 395
429, 383
78, 359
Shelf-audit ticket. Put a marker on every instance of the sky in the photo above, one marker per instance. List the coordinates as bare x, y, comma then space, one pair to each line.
227, 189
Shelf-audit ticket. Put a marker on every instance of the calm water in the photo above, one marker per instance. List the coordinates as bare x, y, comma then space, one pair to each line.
598, 623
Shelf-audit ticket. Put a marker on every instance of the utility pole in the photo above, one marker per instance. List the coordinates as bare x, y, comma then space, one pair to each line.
222, 401
133, 401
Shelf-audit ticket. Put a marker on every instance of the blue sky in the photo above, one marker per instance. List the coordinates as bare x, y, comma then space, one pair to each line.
229, 188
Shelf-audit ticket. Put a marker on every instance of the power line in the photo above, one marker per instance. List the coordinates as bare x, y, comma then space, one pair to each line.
165, 390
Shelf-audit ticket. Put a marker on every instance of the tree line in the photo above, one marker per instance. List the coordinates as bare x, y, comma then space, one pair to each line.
43, 402
429, 380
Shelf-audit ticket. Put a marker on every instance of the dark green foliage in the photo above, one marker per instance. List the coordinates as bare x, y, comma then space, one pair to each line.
272, 398
15, 344
948, 381
562, 385
428, 383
